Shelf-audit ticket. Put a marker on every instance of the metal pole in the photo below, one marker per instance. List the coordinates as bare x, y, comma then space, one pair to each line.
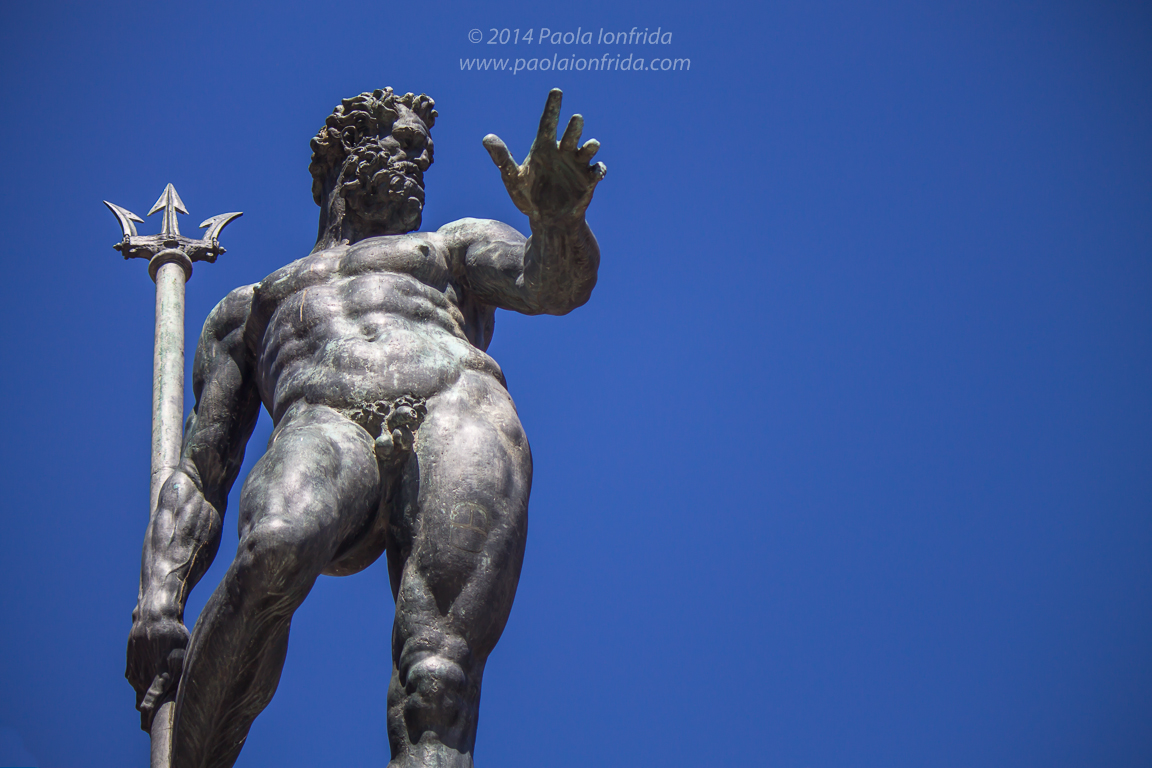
167, 372
162, 733
170, 268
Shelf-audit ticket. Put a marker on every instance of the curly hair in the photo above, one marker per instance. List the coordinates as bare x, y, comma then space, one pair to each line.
366, 116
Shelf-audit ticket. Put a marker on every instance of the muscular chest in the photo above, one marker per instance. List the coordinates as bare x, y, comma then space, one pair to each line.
406, 276
374, 264
413, 255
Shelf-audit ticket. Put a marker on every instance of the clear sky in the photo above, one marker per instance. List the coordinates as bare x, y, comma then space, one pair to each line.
848, 461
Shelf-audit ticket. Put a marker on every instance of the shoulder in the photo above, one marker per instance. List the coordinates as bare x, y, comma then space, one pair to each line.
223, 337
478, 246
463, 233
231, 313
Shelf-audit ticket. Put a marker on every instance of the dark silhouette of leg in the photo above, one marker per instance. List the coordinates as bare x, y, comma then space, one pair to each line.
314, 491
458, 529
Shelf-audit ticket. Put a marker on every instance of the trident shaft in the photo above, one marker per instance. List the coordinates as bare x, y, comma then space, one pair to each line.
170, 256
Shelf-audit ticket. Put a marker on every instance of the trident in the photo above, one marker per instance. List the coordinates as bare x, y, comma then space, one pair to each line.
170, 256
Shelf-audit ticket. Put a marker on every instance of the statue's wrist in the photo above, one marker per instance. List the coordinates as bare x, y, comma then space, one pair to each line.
554, 220
157, 607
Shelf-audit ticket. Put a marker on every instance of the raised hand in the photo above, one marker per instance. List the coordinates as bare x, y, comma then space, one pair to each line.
556, 180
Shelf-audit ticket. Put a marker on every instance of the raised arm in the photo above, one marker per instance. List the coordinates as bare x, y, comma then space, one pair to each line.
184, 530
554, 270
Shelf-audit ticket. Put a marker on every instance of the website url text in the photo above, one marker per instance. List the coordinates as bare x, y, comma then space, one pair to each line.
606, 63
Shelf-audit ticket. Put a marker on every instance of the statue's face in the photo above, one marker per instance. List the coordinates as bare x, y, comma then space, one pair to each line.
386, 185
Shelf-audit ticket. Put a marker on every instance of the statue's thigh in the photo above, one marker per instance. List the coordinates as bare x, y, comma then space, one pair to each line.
463, 516
316, 486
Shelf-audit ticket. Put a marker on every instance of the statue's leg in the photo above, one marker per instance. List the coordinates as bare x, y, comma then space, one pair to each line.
459, 526
312, 493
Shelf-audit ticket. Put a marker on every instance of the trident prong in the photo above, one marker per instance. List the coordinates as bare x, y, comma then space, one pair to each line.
217, 223
171, 203
125, 217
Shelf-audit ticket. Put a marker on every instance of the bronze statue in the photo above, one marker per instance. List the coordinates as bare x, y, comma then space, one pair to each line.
394, 432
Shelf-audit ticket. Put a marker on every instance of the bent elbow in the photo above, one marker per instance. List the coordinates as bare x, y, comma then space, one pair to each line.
562, 303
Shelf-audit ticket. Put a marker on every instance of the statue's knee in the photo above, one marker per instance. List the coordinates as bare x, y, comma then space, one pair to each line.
437, 696
436, 679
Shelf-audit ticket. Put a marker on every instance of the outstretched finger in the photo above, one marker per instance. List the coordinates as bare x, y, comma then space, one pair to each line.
572, 133
588, 151
500, 155
551, 117
599, 171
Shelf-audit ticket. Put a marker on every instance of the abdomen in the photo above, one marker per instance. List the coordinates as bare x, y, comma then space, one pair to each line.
371, 337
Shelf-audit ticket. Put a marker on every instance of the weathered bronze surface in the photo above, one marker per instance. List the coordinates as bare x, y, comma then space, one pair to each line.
393, 433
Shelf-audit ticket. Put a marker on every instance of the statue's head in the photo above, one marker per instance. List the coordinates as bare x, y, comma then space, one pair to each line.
372, 153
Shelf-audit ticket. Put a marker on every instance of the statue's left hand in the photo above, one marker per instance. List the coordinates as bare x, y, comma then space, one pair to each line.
151, 644
556, 180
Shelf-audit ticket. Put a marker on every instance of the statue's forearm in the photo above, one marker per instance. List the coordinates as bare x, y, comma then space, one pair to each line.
561, 259
184, 532
181, 542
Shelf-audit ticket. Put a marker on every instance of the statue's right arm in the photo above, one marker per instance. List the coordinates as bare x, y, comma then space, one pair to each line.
184, 530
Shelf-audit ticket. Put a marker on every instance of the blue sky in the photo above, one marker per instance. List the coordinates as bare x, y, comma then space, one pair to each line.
848, 461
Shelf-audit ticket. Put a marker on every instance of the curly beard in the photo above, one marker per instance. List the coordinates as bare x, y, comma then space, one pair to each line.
383, 188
